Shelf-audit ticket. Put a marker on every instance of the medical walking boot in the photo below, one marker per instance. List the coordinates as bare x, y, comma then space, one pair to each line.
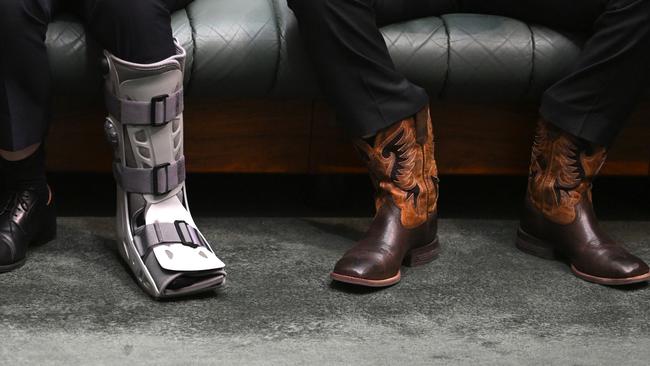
157, 236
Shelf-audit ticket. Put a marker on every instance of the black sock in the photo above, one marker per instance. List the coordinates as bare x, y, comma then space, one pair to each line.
27, 174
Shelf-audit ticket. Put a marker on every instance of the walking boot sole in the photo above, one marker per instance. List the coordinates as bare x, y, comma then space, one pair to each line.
414, 257
539, 248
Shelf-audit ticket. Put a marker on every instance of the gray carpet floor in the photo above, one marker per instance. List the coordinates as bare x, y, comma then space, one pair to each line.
482, 302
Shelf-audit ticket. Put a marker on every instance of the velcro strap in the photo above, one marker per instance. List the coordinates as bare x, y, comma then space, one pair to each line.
159, 111
158, 180
178, 232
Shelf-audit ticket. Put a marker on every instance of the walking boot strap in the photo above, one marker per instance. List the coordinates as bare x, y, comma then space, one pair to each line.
159, 111
158, 180
179, 258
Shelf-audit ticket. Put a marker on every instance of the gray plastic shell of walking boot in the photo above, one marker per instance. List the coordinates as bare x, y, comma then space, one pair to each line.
157, 236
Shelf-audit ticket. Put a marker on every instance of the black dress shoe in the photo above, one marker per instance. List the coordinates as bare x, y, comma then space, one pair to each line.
25, 218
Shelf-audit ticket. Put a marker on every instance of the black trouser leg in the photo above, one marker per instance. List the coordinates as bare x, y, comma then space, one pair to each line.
137, 31
596, 99
592, 102
598, 95
25, 81
352, 62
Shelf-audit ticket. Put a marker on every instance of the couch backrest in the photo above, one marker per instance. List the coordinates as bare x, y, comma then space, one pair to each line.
252, 48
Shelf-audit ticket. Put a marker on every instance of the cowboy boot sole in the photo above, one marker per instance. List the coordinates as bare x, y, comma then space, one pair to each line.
610, 281
415, 257
366, 282
542, 249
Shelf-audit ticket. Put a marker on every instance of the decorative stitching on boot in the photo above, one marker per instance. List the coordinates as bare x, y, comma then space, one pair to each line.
403, 169
562, 169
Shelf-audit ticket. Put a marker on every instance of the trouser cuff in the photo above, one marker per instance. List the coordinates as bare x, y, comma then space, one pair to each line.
592, 126
379, 115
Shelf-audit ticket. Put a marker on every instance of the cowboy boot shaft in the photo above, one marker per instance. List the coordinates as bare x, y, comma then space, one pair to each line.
558, 203
403, 168
562, 171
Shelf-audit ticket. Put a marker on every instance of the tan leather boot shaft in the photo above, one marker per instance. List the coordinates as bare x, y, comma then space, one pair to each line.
403, 168
562, 170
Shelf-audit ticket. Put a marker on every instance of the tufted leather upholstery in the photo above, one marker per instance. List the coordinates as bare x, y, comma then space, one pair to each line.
252, 48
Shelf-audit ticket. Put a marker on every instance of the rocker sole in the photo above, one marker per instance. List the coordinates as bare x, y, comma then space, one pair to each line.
144, 279
415, 257
215, 285
539, 248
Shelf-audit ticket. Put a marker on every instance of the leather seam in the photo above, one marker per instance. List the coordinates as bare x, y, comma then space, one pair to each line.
445, 82
192, 67
278, 61
533, 64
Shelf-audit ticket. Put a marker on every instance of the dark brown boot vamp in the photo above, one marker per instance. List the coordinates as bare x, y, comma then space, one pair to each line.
608, 260
367, 262
379, 255
584, 243
591, 250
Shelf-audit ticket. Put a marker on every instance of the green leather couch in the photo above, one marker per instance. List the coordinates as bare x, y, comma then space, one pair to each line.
249, 83
252, 48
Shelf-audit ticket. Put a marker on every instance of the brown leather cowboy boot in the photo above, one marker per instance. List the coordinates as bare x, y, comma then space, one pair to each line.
404, 230
559, 219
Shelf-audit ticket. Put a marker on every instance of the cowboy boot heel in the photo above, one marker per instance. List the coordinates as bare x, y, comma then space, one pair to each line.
534, 246
423, 255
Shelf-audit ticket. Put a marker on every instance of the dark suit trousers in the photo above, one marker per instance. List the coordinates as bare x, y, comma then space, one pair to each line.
592, 101
134, 30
